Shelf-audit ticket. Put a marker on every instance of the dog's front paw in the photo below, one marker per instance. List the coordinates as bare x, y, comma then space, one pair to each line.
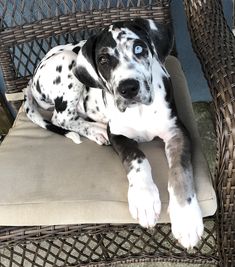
98, 133
144, 204
74, 136
186, 221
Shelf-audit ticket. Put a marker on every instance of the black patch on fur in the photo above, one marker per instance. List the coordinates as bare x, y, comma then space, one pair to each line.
126, 58
118, 25
87, 89
76, 49
27, 110
119, 37
55, 129
69, 76
76, 118
105, 69
105, 39
126, 148
146, 85
116, 53
60, 105
38, 88
57, 80
84, 77
85, 103
90, 119
59, 68
72, 64
189, 200
104, 98
86, 131
70, 85
169, 94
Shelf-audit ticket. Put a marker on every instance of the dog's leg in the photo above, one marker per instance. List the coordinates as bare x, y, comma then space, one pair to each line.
143, 195
184, 210
71, 120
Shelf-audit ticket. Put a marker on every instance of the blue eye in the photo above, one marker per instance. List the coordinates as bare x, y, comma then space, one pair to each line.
138, 49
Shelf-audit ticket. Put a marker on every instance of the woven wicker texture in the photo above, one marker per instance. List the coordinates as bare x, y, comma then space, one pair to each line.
91, 244
214, 44
16, 13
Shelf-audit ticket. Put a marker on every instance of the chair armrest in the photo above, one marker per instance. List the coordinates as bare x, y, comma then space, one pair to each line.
214, 44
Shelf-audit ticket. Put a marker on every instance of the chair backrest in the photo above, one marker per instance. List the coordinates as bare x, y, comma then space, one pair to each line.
29, 28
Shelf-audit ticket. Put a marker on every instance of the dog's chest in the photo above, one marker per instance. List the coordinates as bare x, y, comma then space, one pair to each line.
142, 122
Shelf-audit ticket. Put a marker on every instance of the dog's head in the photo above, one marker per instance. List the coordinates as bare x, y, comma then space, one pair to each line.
119, 59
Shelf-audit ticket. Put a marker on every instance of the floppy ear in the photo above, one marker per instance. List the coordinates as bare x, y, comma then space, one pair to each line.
160, 35
85, 70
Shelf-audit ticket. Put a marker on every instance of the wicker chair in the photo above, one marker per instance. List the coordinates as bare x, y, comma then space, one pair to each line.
26, 27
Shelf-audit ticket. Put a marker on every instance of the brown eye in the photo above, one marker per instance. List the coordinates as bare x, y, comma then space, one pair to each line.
103, 59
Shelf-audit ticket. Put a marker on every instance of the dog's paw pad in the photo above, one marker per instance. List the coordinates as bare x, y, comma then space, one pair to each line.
74, 136
186, 222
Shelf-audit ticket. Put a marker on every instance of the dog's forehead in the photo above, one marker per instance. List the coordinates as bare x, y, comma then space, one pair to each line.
114, 37
122, 33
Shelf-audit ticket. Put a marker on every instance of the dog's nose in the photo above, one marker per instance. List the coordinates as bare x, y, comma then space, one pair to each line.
128, 88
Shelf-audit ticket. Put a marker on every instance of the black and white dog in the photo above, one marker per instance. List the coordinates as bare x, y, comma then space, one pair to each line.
114, 88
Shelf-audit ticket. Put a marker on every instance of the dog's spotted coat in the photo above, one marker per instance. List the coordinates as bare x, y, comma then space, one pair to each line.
114, 88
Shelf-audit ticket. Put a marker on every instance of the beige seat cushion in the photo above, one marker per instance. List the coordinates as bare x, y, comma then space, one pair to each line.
46, 179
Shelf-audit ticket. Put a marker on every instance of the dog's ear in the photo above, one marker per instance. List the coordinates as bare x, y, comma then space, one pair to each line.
160, 36
85, 70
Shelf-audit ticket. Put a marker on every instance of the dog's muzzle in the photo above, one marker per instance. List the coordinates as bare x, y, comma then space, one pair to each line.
129, 88
131, 92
